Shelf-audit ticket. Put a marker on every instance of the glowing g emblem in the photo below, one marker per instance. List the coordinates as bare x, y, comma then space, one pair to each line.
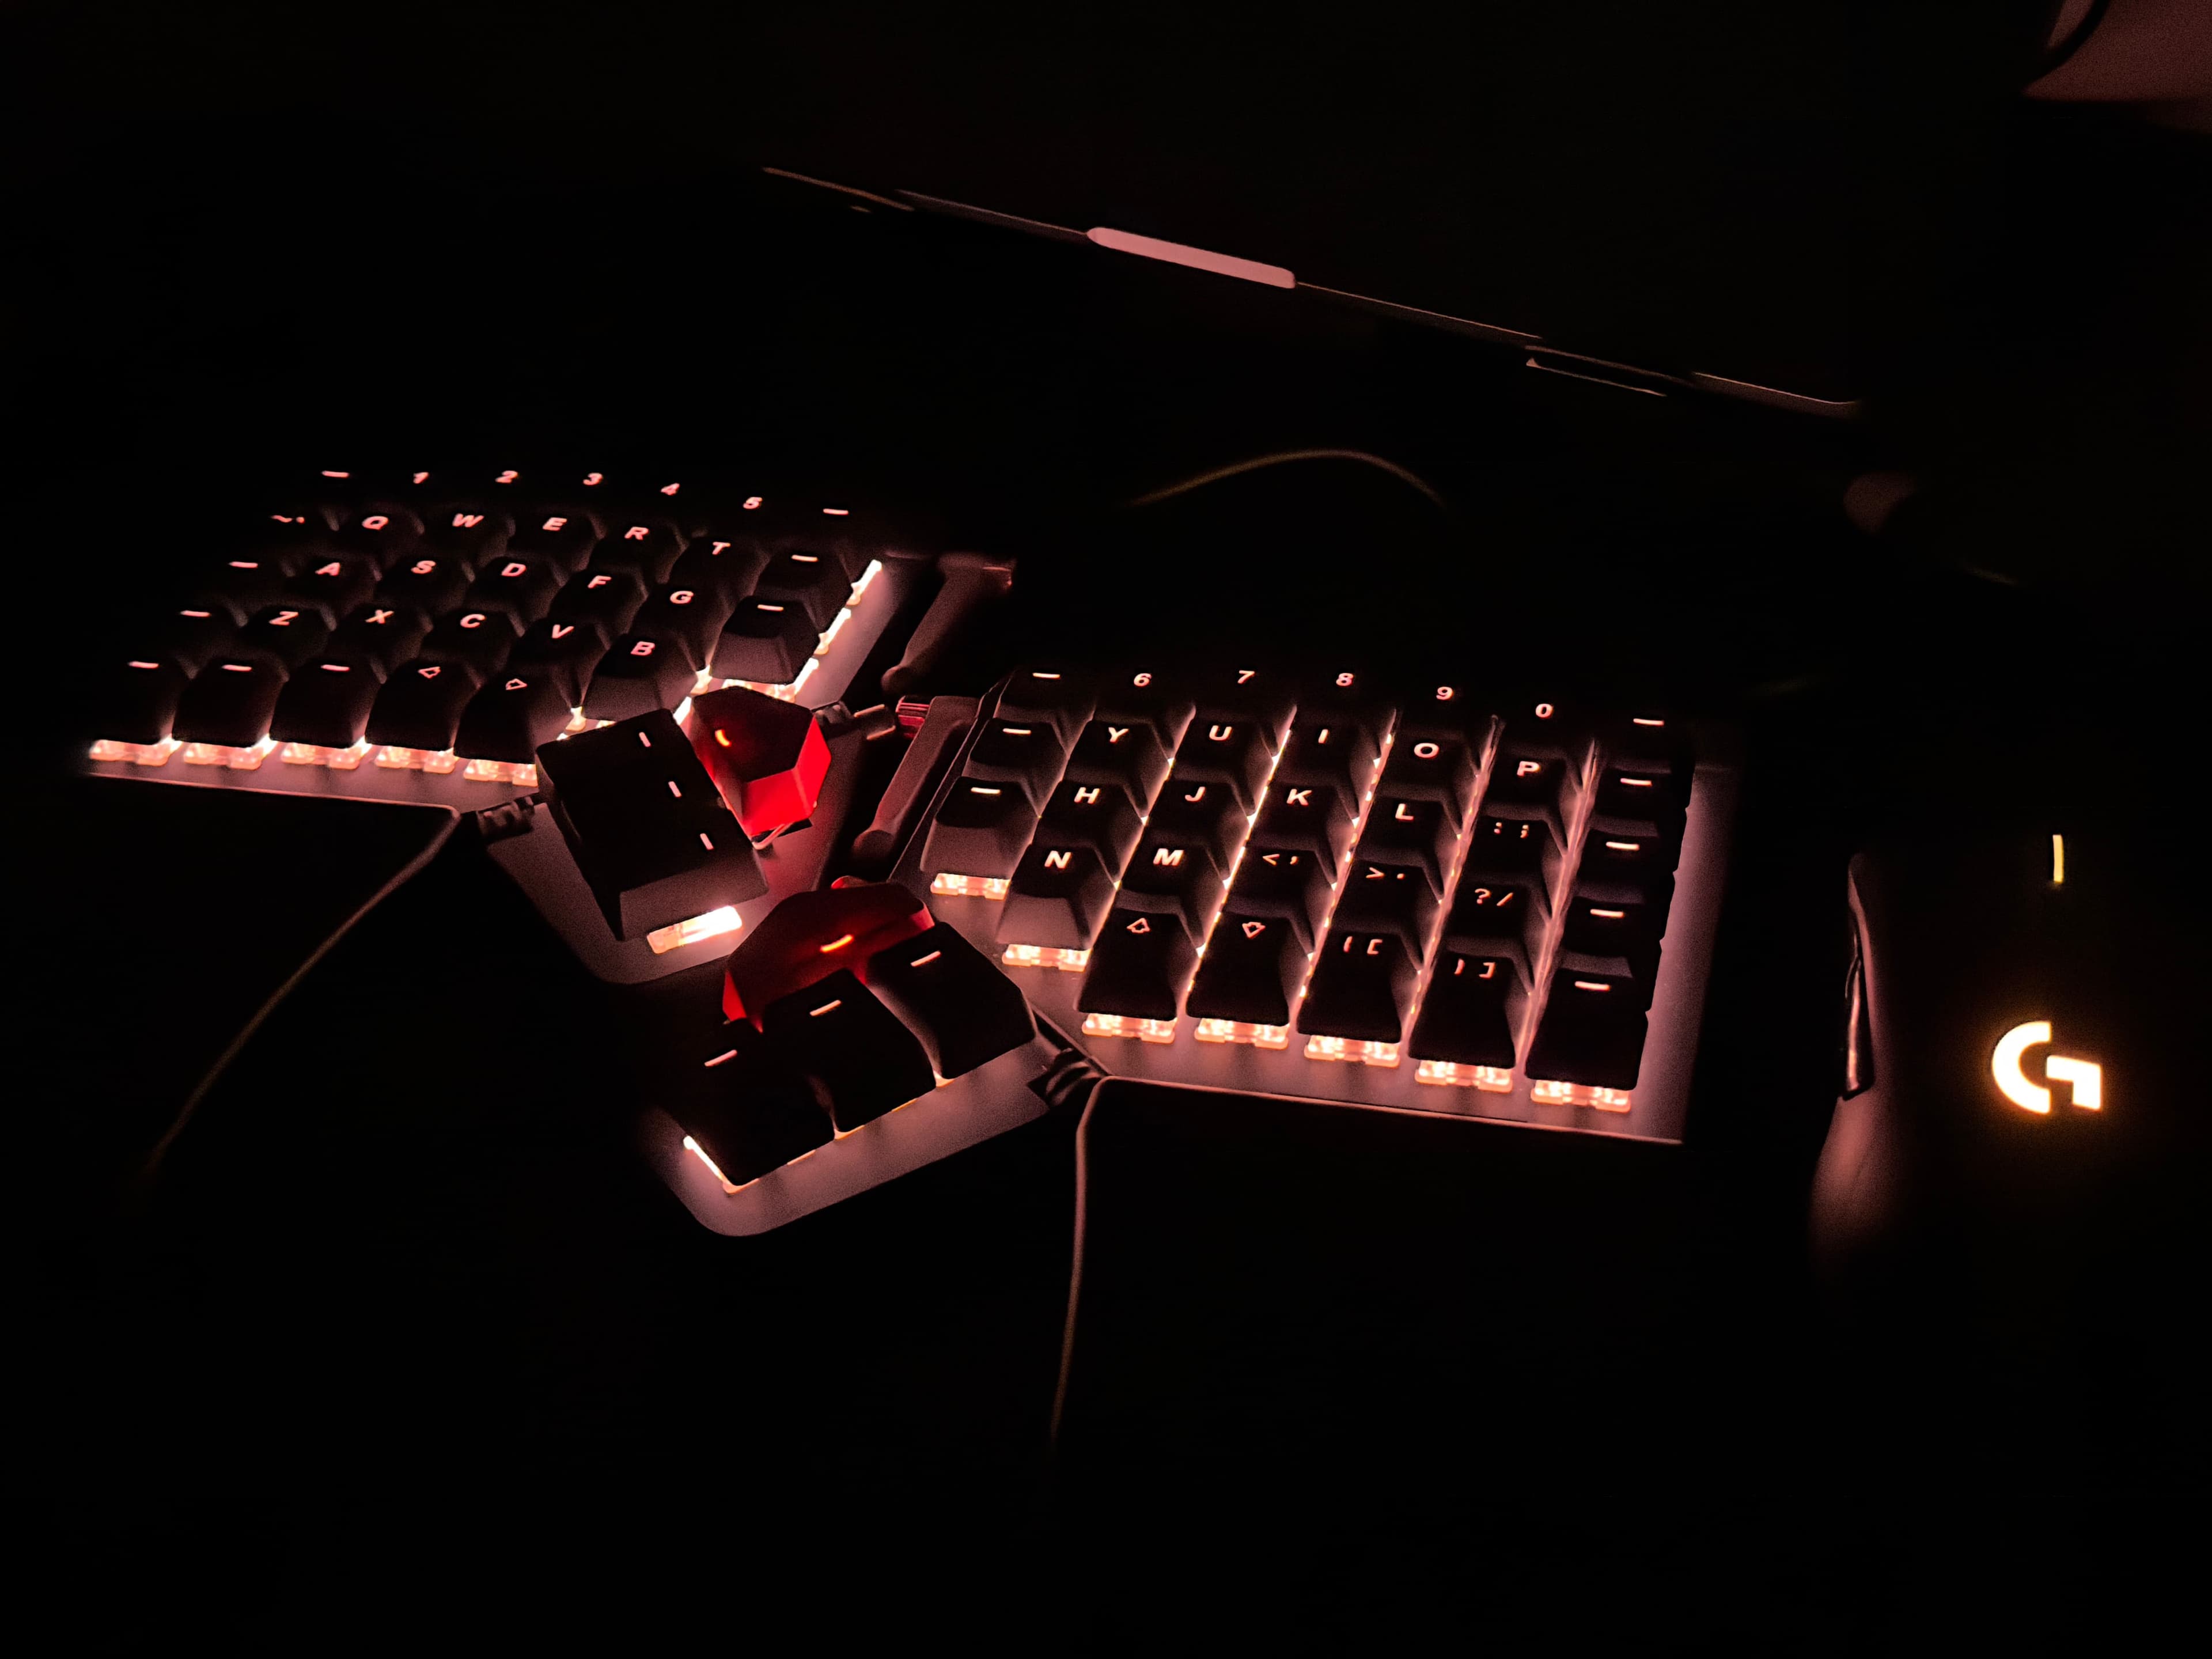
2086, 1078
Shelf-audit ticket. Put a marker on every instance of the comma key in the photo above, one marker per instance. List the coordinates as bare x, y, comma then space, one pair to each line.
1140, 966
1252, 964
980, 830
1057, 896
1290, 882
1361, 986
1472, 1010
953, 997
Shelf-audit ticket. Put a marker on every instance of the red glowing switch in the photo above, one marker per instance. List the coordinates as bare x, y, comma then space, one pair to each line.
809, 936
766, 757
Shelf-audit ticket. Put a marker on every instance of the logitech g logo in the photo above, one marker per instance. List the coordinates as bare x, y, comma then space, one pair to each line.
2086, 1077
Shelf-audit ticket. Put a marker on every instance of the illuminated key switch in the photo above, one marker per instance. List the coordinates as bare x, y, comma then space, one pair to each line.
655, 842
767, 757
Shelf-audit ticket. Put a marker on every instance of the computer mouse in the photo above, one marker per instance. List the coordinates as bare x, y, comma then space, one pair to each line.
2004, 1164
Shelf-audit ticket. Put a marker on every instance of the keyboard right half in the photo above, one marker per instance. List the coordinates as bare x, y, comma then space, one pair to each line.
1413, 897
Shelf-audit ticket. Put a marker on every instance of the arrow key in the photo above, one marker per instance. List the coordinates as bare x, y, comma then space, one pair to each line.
1252, 964
1139, 966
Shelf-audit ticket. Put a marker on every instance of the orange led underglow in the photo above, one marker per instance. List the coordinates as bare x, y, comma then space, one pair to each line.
1491, 1079
138, 754
1351, 1051
1129, 1025
1043, 955
983, 887
710, 925
492, 771
2058, 861
315, 754
836, 624
2085, 1078
1547, 1093
246, 759
437, 761
867, 580
699, 1152
1237, 1030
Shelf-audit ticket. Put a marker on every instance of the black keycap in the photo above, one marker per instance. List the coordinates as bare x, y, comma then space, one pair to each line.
1159, 700
1312, 815
384, 635
1472, 1011
565, 651
564, 535
382, 532
836, 1032
420, 707
137, 699
1592, 1029
648, 547
1540, 726
230, 702
290, 633
1648, 737
692, 617
1289, 882
196, 634
521, 584
327, 702
1509, 846
1025, 752
764, 640
1433, 766
1610, 919
607, 598
1657, 792
639, 672
746, 1107
813, 582
1405, 831
1058, 695
511, 714
1174, 879
335, 583
287, 533
1198, 814
1058, 896
980, 830
653, 839
1235, 752
1251, 967
1235, 693
724, 569
1345, 701
480, 639
426, 582
1632, 851
243, 585
1329, 751
471, 533
1540, 786
1361, 986
1498, 918
1140, 966
953, 997
1127, 752
1388, 898
1099, 815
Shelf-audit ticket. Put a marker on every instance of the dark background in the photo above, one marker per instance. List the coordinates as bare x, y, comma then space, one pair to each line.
405, 1312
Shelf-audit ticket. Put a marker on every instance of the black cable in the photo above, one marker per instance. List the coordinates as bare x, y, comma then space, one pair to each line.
406, 874
1235, 468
